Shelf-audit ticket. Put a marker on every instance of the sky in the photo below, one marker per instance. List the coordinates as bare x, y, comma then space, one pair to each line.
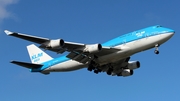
89, 21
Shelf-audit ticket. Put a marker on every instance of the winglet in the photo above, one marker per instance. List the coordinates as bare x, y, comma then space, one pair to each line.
8, 32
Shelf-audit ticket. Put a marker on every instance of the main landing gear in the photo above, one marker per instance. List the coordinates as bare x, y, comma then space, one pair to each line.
156, 51
96, 70
110, 69
94, 66
90, 68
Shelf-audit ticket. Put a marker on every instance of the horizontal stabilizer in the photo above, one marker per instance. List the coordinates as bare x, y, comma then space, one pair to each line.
27, 65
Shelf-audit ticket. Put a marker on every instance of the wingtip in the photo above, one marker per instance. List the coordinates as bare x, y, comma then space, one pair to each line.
12, 61
8, 32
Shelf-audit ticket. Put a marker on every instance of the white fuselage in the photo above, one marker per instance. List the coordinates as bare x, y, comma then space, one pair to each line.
127, 49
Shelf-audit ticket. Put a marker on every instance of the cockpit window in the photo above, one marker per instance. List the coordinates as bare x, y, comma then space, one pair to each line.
158, 26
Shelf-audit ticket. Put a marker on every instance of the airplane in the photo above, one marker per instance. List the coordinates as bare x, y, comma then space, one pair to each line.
112, 57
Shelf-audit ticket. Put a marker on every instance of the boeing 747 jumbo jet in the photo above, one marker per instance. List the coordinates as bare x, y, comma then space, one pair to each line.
112, 57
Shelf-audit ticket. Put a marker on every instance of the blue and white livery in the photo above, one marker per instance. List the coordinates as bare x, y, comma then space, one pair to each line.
112, 57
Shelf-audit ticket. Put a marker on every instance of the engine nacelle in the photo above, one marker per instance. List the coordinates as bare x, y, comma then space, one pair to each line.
133, 65
94, 48
55, 43
127, 72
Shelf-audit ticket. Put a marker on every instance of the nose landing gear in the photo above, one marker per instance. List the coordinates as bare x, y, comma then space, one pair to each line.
156, 51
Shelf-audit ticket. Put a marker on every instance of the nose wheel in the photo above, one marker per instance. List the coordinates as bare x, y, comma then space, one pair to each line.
156, 49
156, 52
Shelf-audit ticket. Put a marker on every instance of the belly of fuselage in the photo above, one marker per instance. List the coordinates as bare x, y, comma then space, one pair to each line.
69, 65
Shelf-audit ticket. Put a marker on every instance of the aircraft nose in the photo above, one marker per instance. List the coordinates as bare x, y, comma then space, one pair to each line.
172, 32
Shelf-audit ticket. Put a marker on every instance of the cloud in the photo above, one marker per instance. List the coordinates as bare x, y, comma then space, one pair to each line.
4, 13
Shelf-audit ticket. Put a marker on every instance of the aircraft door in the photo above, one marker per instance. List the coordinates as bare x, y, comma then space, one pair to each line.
147, 35
159, 35
124, 42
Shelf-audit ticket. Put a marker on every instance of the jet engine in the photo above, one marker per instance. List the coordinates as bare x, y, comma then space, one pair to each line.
94, 48
133, 65
55, 43
127, 72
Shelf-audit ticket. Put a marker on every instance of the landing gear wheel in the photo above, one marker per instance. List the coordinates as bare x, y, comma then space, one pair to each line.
89, 69
96, 71
156, 52
109, 72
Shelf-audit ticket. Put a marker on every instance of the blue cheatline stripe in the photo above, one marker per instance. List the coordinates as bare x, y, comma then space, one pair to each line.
136, 35
51, 63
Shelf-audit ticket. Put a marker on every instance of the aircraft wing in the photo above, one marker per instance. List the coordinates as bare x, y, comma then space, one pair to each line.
31, 38
45, 42
78, 51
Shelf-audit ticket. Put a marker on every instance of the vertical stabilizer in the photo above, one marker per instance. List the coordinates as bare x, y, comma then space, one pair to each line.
37, 55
